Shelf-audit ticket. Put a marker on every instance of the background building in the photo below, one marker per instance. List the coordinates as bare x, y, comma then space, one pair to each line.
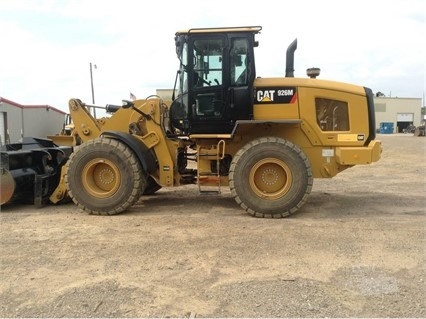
165, 94
401, 112
17, 121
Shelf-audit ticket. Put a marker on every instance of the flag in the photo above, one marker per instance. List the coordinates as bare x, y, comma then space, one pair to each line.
132, 96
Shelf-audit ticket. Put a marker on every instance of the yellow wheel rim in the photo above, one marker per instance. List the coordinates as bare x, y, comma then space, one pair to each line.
270, 178
101, 178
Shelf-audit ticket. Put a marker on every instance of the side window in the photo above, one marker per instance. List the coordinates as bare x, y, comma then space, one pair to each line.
184, 73
332, 115
238, 62
208, 59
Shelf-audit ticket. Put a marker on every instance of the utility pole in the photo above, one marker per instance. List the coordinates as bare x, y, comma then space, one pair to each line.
93, 90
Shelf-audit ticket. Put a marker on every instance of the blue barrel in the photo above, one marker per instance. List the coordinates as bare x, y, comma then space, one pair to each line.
386, 128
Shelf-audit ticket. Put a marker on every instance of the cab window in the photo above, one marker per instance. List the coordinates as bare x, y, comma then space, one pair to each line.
238, 59
208, 59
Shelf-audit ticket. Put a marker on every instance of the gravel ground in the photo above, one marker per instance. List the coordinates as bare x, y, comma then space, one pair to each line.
356, 249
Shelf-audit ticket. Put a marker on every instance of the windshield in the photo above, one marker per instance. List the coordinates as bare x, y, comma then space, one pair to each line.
205, 63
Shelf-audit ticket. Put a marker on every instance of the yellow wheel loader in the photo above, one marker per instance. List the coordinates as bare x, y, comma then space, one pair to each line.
264, 138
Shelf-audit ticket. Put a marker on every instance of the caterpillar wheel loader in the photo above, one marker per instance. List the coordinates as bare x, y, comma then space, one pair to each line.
264, 138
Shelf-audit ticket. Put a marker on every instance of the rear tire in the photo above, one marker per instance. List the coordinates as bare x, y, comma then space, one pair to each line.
270, 177
104, 177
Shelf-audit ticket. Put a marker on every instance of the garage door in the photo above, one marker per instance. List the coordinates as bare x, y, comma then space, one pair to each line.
405, 117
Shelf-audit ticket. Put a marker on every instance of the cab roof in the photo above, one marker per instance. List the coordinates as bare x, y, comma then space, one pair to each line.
252, 29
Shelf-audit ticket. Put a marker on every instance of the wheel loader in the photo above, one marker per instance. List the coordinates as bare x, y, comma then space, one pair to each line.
264, 138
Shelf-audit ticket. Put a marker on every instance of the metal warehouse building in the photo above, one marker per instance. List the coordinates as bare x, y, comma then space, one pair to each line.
17, 121
399, 112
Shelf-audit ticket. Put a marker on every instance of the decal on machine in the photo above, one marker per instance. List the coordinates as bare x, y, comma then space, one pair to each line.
275, 95
350, 137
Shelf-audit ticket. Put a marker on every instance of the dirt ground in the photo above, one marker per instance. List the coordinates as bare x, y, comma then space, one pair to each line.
356, 249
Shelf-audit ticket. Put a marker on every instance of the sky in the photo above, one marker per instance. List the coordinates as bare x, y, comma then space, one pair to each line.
47, 46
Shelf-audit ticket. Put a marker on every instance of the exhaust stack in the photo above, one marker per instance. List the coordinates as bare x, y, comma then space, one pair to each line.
289, 68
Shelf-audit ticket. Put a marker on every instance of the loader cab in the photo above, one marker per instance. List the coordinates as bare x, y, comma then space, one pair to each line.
215, 80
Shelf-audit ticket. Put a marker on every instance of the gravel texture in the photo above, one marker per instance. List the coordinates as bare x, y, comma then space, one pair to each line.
356, 249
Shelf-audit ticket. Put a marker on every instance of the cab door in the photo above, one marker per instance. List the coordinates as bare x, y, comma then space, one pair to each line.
208, 107
220, 74
242, 74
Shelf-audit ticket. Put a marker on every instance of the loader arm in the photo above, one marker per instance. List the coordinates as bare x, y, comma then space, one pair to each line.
88, 127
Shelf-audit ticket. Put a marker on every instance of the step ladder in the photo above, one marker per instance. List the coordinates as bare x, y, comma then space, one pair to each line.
210, 178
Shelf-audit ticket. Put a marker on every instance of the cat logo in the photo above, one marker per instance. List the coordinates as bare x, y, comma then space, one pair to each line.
265, 95
276, 95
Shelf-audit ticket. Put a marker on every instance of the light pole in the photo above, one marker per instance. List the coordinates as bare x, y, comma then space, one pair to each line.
93, 90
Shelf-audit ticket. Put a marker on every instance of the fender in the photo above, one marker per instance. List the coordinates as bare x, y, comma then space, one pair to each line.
146, 156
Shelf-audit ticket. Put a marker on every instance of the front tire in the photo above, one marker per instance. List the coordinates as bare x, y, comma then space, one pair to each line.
270, 177
104, 177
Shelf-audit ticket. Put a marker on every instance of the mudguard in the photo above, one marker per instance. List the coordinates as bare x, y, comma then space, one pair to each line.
145, 155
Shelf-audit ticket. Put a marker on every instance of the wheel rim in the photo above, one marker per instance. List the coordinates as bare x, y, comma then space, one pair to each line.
101, 178
270, 178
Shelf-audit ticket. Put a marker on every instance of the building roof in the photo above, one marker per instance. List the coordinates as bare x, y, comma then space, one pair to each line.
21, 106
